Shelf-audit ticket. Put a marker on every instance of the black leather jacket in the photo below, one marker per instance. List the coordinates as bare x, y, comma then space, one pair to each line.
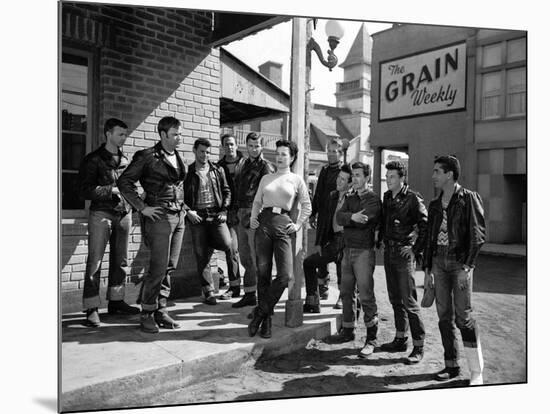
220, 185
97, 177
404, 220
319, 206
465, 226
232, 180
162, 183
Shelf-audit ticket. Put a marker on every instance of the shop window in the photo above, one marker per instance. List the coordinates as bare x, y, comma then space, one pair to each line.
75, 127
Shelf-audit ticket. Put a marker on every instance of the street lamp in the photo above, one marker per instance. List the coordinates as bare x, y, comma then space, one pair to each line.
335, 31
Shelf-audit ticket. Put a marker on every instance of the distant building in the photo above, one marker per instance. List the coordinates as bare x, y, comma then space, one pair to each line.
451, 90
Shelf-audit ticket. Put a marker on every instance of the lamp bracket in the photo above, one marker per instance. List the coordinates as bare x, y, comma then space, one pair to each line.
331, 61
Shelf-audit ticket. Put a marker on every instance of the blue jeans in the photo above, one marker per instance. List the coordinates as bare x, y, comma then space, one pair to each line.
446, 269
164, 236
358, 267
207, 236
402, 294
272, 240
113, 228
331, 252
247, 250
232, 257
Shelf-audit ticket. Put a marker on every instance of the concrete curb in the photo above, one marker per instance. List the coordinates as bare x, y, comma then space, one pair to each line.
134, 390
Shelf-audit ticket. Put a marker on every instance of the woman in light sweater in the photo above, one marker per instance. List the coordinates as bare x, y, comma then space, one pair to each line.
275, 229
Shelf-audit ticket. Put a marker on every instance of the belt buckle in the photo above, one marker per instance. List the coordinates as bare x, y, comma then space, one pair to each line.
276, 210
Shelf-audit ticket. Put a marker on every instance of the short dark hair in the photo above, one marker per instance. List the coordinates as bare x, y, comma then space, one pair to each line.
111, 123
449, 163
201, 141
254, 136
225, 136
292, 148
346, 169
336, 142
398, 166
166, 123
361, 165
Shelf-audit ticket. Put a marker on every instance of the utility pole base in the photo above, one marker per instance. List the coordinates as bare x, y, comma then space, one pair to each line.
294, 313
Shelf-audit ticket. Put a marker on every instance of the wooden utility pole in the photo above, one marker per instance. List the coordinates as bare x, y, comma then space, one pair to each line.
294, 315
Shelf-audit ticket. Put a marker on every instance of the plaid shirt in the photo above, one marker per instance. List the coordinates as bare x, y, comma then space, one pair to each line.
248, 180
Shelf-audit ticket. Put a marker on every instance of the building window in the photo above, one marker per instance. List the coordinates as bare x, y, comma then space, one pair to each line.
516, 50
492, 55
75, 125
516, 91
503, 79
491, 95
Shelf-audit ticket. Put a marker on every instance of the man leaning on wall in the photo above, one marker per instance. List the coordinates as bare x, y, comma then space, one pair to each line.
109, 221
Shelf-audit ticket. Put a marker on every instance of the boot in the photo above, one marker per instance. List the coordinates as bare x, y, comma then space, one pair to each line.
323, 292
338, 304
164, 320
210, 299
257, 318
92, 318
345, 335
370, 342
232, 292
147, 322
368, 348
119, 306
397, 345
475, 364
265, 329
416, 355
447, 373
249, 299
311, 308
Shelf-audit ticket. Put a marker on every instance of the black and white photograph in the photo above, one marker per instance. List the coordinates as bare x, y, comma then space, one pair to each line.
286, 207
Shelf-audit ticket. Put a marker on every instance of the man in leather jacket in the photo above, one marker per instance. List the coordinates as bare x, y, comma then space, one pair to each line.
160, 171
456, 232
110, 221
247, 181
207, 199
232, 164
331, 243
320, 218
403, 231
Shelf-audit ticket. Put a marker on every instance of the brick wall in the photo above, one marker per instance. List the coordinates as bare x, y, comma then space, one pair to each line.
149, 63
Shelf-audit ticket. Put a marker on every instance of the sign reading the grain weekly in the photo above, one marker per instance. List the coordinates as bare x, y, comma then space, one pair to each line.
425, 83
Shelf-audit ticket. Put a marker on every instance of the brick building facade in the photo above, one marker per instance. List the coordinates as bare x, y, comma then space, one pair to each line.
137, 64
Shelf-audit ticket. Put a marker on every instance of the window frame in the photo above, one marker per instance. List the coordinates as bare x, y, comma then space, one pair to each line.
91, 128
503, 69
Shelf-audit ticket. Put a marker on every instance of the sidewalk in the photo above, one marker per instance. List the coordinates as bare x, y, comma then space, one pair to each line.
117, 365
511, 250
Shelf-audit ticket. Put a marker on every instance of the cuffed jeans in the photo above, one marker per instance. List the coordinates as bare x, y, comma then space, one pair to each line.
358, 267
331, 252
272, 240
113, 228
164, 237
402, 294
207, 236
446, 270
247, 250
